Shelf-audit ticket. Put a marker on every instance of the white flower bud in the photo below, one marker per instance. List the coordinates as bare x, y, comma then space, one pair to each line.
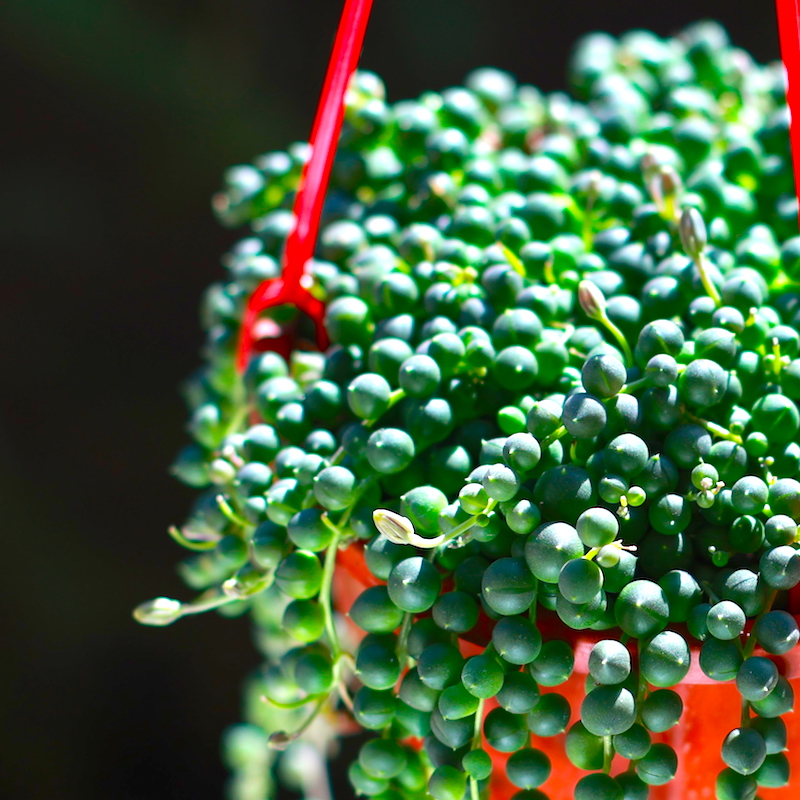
280, 740
693, 234
400, 530
671, 183
161, 611
592, 300
395, 527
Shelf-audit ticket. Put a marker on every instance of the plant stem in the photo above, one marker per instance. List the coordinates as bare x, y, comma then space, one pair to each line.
777, 364
474, 789
554, 436
394, 398
641, 685
745, 718
476, 730
717, 430
708, 285
513, 259
532, 612
239, 417
311, 717
191, 544
325, 598
226, 508
338, 456
402, 639
587, 228
468, 523
339, 680
549, 275
634, 386
713, 596
620, 337
199, 606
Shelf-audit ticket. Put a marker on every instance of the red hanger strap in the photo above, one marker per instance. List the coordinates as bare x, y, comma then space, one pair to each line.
310, 195
789, 33
325, 136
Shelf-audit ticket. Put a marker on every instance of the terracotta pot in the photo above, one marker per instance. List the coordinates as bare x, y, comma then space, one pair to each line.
711, 708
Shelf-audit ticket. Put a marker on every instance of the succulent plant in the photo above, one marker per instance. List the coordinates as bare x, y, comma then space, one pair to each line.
562, 388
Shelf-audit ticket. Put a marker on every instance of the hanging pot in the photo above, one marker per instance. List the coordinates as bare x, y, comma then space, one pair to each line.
711, 708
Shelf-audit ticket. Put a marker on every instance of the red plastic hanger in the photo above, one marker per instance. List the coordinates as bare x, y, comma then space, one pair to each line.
789, 34
290, 288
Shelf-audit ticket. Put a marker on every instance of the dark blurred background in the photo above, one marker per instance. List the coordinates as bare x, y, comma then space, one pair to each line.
120, 116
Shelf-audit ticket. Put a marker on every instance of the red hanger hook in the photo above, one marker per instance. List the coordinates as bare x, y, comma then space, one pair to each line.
288, 288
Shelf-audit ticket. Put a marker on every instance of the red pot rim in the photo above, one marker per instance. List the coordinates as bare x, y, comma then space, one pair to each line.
351, 560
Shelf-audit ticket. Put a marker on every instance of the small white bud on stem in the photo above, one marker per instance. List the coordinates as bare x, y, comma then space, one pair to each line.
694, 238
692, 229
160, 611
400, 530
592, 300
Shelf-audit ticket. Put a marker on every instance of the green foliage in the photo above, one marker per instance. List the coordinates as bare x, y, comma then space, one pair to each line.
564, 372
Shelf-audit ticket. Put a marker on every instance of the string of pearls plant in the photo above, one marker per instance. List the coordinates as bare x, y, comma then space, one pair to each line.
562, 386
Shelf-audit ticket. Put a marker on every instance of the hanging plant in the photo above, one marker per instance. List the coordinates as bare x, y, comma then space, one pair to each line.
531, 515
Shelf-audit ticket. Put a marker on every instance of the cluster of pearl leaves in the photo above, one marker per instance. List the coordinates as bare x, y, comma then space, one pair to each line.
563, 384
